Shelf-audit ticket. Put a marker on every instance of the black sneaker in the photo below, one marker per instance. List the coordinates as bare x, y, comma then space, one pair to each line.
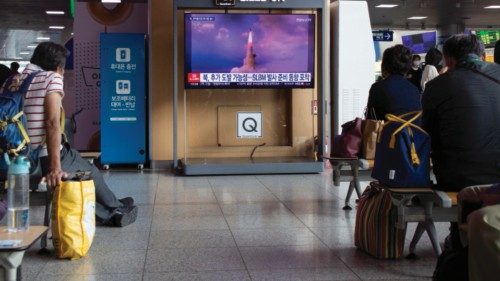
124, 216
127, 201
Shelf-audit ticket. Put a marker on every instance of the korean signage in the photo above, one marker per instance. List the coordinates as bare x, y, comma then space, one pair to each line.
123, 98
383, 36
122, 87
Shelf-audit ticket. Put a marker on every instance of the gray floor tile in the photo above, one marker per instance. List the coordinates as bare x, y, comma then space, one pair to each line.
110, 262
394, 272
247, 197
354, 257
250, 182
319, 207
171, 196
330, 221
32, 264
336, 236
290, 257
262, 208
194, 260
184, 182
198, 276
275, 237
98, 277
191, 239
188, 223
123, 240
316, 274
305, 195
186, 210
267, 221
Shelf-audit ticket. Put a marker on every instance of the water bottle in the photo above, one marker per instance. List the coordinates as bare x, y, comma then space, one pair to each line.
18, 182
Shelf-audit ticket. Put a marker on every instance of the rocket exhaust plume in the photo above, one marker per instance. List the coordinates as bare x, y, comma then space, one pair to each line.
249, 61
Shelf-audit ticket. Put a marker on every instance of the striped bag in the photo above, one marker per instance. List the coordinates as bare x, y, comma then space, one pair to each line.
376, 231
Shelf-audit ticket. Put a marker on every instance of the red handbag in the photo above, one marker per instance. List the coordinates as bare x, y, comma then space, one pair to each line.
348, 144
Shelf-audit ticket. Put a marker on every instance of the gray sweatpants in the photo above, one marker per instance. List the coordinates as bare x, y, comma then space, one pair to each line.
71, 161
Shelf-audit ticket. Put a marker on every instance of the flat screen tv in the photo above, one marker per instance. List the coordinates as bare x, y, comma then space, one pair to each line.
249, 51
420, 43
489, 37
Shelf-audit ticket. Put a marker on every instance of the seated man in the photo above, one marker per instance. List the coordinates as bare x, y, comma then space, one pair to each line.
461, 112
42, 106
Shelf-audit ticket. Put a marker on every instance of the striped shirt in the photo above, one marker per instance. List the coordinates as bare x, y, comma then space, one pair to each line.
43, 83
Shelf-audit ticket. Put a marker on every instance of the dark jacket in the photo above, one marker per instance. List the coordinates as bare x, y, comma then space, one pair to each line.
462, 115
415, 77
394, 95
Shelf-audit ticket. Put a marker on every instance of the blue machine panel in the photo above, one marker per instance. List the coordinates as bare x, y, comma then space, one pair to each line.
123, 98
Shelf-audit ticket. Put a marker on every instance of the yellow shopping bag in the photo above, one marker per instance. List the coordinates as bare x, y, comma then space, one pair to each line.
73, 217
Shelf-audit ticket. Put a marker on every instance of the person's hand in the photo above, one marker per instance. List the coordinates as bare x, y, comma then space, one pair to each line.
54, 177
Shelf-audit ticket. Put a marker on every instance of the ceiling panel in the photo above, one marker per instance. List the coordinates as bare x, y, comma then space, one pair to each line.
469, 13
25, 20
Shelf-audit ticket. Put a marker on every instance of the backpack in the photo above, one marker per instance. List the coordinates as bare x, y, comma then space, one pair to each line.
402, 156
13, 123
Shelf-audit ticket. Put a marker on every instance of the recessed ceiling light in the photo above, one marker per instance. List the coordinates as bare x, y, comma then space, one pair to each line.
56, 27
43, 38
492, 7
417, 18
24, 53
386, 6
54, 12
111, 1
31, 47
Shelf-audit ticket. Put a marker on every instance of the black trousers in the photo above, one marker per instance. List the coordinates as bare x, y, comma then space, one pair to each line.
71, 161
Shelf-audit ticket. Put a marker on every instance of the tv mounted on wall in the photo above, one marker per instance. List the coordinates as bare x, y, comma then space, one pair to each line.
420, 43
249, 51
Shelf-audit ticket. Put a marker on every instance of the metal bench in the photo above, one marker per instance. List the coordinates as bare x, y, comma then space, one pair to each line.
355, 164
434, 206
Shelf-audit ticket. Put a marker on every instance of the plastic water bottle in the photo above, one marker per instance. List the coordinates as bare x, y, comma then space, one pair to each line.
18, 182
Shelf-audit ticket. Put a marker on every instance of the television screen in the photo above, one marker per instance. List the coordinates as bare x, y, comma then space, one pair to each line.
420, 43
489, 37
249, 51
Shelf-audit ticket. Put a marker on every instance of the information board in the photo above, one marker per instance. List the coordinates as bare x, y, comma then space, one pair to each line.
489, 37
123, 95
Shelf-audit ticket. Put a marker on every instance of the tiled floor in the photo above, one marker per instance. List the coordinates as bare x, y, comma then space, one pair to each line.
285, 227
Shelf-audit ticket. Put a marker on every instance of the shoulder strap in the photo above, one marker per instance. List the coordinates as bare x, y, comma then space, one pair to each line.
23, 88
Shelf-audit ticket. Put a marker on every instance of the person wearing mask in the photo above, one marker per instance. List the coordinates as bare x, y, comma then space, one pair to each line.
394, 94
415, 73
14, 68
42, 106
432, 68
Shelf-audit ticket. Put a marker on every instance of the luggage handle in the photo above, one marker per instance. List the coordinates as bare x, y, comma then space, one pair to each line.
78, 176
